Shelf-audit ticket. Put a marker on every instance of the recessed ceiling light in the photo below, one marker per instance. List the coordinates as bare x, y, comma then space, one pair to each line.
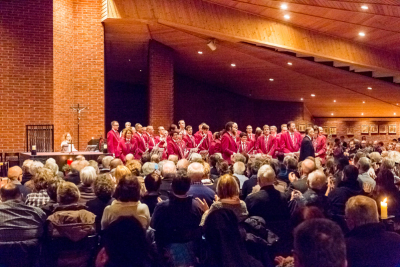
233, 65
271, 79
312, 95
334, 101
332, 114
284, 6
361, 33
140, 70
200, 52
369, 88
286, 16
363, 102
397, 104
362, 114
290, 63
301, 99
364, 7
394, 114
129, 59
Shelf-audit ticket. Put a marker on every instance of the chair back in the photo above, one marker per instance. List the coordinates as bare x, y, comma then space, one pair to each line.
19, 254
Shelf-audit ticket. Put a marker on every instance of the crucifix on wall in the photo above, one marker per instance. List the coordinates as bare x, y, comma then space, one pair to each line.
78, 109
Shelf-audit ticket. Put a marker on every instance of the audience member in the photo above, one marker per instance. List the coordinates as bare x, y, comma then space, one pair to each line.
368, 243
238, 171
385, 188
168, 173
14, 176
33, 169
120, 172
134, 166
126, 203
364, 178
148, 168
249, 184
88, 176
182, 164
106, 164
152, 195
52, 187
103, 189
41, 180
25, 168
196, 173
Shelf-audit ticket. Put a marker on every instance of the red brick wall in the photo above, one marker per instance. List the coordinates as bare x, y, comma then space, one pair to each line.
342, 124
161, 85
26, 63
79, 69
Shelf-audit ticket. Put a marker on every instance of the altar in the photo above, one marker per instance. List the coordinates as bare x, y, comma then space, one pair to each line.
61, 158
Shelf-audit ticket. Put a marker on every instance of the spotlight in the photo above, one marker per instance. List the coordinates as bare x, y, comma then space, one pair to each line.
212, 44
361, 33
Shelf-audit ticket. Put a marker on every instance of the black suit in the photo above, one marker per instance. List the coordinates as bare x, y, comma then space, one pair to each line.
306, 149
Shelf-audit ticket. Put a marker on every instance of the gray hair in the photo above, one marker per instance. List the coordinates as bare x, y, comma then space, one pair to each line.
196, 157
26, 165
364, 164
266, 174
35, 166
51, 165
106, 161
168, 167
195, 171
88, 175
317, 180
239, 168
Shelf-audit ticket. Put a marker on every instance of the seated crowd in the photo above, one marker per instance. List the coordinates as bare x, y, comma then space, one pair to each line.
256, 211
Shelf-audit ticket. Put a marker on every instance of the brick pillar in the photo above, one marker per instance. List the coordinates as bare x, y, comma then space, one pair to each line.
161, 85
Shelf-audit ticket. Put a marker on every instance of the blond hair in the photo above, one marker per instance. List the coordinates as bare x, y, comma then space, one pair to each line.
134, 166
227, 187
121, 171
361, 210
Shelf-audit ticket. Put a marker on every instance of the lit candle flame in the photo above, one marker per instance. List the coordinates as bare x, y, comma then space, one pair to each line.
385, 200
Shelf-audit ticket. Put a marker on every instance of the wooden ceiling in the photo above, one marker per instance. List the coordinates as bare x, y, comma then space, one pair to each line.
127, 38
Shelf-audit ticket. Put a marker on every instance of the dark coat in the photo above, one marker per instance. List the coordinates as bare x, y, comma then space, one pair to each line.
306, 149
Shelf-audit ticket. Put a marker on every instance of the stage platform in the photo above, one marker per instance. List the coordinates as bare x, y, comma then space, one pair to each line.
61, 158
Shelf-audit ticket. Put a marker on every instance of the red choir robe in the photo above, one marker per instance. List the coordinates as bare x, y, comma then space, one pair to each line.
266, 145
141, 145
205, 145
228, 147
125, 148
174, 148
112, 141
215, 147
290, 145
251, 138
320, 148
245, 147
150, 141
190, 141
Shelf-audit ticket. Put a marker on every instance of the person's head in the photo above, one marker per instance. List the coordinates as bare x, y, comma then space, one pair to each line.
223, 167
357, 157
291, 163
67, 193
127, 133
238, 158
239, 168
364, 138
161, 130
128, 189
115, 125
255, 166
337, 141
364, 164
10, 191
189, 130
124, 243
145, 157
182, 164
273, 129
307, 166
120, 172
174, 134
78, 165
181, 124
258, 133
243, 137
155, 158
363, 143
306, 213
376, 144
88, 175
180, 184
134, 166
352, 144
291, 126
115, 163
385, 184
42, 177
195, 172
15, 173
249, 129
127, 124
150, 129
67, 137
350, 173
397, 147
227, 187
205, 128
26, 165
95, 165
173, 158
341, 163
229, 127
103, 187
320, 131
52, 187
147, 168
316, 180
387, 164
266, 130
106, 162
310, 131
266, 175
34, 167
319, 242
213, 160
152, 182
139, 127
168, 168
361, 210
284, 128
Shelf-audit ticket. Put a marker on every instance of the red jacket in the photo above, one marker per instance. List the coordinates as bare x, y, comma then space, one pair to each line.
215, 147
228, 147
150, 141
124, 148
266, 145
321, 146
205, 145
112, 141
288, 145
173, 148
141, 145
244, 147
190, 141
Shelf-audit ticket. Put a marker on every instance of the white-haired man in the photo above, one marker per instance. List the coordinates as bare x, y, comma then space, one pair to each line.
196, 173
268, 203
238, 171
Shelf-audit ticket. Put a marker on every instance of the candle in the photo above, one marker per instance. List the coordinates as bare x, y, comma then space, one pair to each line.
384, 213
33, 147
105, 146
69, 161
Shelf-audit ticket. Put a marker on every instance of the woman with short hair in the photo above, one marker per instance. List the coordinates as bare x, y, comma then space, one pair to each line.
228, 198
127, 144
126, 203
88, 176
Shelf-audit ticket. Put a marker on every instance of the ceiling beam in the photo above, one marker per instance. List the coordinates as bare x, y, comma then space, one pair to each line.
233, 25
